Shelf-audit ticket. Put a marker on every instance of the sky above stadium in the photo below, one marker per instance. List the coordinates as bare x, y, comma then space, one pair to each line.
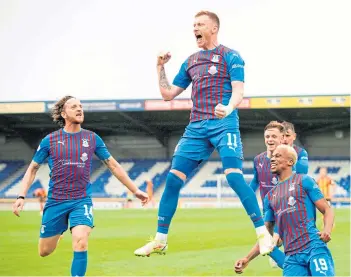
107, 49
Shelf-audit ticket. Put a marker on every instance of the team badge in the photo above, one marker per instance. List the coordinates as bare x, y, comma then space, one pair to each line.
84, 157
212, 70
274, 180
42, 230
291, 201
215, 59
291, 186
85, 142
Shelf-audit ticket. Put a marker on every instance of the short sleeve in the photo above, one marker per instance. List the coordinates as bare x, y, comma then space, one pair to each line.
182, 79
101, 150
312, 189
235, 65
43, 151
267, 210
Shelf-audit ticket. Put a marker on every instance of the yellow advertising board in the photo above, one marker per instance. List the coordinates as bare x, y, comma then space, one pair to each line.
22, 107
300, 102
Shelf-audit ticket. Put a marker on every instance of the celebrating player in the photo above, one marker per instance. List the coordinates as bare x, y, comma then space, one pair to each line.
265, 180
289, 138
291, 204
70, 151
217, 77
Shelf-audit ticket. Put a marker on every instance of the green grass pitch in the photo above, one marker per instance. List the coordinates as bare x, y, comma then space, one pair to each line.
202, 242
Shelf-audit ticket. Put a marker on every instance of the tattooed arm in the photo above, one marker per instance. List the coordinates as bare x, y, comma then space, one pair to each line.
118, 171
168, 92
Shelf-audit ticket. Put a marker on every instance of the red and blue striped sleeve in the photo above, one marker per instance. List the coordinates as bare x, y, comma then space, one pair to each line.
43, 151
101, 150
267, 210
254, 182
182, 79
235, 65
312, 189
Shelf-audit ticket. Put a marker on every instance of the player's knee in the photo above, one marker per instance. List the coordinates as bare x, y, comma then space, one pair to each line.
45, 251
80, 243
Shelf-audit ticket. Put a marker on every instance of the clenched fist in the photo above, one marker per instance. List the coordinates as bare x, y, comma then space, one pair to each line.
163, 58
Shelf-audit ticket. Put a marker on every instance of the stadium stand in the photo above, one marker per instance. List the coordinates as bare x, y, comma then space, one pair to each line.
201, 184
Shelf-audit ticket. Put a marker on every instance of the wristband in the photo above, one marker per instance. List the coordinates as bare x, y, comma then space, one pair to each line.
20, 197
228, 110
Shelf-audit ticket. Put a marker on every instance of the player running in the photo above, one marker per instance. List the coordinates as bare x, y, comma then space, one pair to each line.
70, 151
217, 76
291, 204
302, 156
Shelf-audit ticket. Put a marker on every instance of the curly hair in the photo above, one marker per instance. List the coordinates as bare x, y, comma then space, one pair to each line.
57, 110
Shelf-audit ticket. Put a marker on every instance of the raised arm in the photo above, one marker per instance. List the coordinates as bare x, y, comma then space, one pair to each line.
168, 91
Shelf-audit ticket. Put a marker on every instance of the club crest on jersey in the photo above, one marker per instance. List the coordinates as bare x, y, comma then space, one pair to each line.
274, 180
85, 142
212, 70
291, 186
42, 230
291, 201
215, 59
84, 157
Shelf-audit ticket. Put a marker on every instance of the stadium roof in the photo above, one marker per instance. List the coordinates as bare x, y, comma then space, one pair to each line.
161, 124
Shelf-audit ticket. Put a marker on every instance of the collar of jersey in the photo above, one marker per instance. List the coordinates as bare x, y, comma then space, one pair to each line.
68, 133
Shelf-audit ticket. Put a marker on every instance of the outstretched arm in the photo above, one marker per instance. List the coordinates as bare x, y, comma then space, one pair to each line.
118, 171
39, 157
26, 182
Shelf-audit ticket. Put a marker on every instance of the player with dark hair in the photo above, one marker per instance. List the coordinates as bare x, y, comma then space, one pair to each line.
292, 204
275, 133
217, 76
70, 151
302, 155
